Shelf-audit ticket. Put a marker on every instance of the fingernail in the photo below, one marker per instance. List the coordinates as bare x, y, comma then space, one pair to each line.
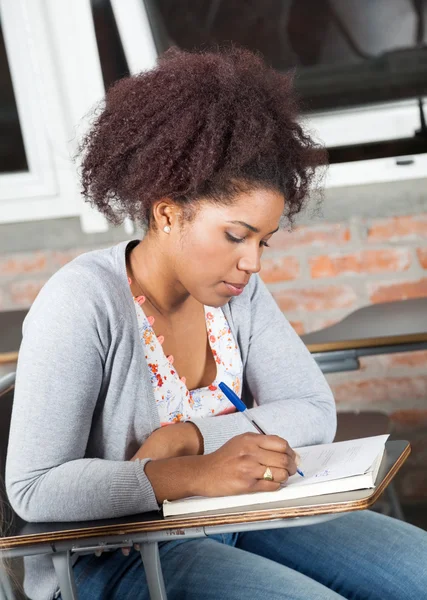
151, 320
170, 359
161, 339
140, 299
297, 459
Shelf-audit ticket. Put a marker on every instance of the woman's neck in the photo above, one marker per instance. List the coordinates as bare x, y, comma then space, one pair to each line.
153, 275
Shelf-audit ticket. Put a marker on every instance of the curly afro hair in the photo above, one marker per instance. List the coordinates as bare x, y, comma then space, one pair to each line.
201, 125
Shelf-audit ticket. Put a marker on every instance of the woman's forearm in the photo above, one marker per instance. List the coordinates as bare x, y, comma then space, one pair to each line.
175, 478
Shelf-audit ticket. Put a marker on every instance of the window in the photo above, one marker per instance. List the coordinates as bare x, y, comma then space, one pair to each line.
360, 70
54, 66
347, 52
12, 151
113, 61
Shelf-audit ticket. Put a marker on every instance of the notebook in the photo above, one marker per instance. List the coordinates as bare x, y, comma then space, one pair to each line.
328, 468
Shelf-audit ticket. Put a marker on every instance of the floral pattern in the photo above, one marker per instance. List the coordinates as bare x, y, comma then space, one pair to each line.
173, 399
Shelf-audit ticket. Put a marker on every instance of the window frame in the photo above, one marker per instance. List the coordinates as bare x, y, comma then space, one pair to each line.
54, 96
40, 177
350, 126
370, 123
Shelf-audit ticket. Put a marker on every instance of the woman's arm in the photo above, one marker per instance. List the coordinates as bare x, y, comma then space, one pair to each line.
59, 378
294, 399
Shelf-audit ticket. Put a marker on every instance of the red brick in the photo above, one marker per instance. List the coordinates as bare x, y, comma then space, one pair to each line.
410, 418
23, 293
283, 268
397, 290
412, 485
398, 228
390, 361
316, 298
386, 390
20, 264
367, 261
317, 235
422, 257
59, 258
298, 326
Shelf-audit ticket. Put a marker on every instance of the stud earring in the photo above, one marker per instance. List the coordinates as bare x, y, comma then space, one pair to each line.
166, 229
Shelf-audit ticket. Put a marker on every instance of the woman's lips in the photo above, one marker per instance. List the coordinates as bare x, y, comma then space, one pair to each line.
235, 289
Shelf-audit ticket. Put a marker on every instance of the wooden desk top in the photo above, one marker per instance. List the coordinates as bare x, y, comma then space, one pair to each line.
10, 334
38, 533
385, 324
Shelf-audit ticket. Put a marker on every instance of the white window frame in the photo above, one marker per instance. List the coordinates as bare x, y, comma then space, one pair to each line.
24, 70
135, 34
394, 120
57, 78
391, 121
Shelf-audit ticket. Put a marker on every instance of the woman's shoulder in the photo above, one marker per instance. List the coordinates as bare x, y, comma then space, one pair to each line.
93, 270
89, 283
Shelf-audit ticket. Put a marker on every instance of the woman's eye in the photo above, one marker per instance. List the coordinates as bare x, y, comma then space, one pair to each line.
266, 244
236, 240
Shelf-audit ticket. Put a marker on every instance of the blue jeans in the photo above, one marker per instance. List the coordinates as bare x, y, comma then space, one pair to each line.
362, 555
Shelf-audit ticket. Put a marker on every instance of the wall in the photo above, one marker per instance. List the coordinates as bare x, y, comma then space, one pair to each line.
368, 244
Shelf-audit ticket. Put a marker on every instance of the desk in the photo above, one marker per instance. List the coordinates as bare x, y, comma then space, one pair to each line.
62, 540
10, 334
376, 329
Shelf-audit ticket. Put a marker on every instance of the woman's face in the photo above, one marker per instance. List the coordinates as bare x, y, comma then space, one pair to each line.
218, 251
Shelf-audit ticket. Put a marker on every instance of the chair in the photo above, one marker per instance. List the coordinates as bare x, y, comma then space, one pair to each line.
6, 398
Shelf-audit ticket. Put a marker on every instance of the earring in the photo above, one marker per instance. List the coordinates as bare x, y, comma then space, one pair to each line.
166, 229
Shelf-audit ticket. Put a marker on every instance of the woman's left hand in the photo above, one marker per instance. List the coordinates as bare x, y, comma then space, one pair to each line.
179, 439
170, 441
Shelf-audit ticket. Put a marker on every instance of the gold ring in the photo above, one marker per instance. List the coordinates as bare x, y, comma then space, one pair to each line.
268, 475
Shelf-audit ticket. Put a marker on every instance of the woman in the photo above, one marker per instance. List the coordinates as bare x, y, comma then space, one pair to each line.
117, 403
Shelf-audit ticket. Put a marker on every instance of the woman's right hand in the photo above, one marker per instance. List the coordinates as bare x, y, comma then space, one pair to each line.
239, 465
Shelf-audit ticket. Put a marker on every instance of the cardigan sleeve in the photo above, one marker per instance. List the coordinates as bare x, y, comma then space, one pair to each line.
293, 397
58, 386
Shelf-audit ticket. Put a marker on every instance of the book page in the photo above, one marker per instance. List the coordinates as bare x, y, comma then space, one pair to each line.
335, 461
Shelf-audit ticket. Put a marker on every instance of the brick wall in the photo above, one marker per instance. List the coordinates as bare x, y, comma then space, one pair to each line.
318, 274
321, 273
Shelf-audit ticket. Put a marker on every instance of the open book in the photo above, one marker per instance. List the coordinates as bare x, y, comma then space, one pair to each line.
328, 468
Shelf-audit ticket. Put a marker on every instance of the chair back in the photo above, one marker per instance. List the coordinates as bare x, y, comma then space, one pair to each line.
7, 386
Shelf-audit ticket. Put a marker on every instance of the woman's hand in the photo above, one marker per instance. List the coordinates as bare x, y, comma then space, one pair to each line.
179, 439
239, 465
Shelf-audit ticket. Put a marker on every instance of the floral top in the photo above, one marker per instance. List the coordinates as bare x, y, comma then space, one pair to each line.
173, 399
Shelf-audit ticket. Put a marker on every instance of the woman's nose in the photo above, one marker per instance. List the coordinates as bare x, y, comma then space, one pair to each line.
250, 262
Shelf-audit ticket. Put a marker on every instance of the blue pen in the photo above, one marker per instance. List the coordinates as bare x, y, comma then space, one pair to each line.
241, 407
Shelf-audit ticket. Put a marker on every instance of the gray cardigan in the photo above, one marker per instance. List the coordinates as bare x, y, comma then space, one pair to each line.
84, 401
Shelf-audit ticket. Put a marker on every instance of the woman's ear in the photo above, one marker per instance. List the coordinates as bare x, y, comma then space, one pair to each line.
166, 215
